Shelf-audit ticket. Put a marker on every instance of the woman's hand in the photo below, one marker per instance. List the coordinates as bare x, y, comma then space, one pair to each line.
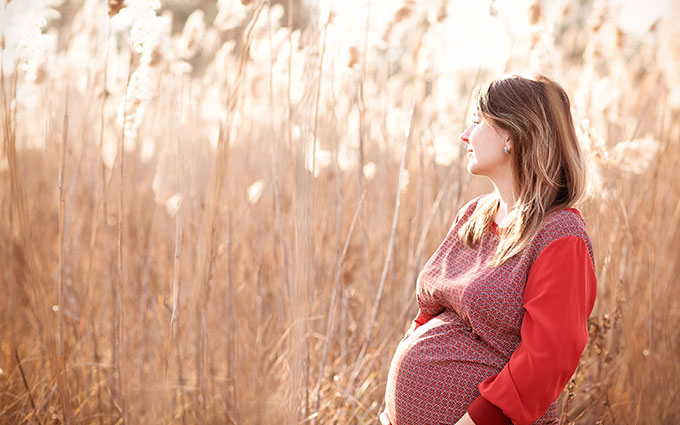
465, 420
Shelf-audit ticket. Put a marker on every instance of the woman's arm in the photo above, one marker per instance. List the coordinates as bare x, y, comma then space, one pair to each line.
558, 298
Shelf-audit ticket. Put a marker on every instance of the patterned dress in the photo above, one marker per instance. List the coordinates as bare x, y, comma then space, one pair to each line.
507, 338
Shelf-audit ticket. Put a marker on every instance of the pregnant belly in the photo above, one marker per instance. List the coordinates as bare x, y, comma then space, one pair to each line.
434, 373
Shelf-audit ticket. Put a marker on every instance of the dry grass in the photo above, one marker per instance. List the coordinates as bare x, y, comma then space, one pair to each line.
148, 280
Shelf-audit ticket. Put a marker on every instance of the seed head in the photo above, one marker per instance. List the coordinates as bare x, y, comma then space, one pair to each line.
535, 12
193, 33
353, 57
115, 6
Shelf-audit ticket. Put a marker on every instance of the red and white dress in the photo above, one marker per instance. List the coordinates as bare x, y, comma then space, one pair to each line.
498, 342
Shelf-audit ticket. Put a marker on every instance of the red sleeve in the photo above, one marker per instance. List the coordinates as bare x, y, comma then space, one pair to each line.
421, 319
558, 298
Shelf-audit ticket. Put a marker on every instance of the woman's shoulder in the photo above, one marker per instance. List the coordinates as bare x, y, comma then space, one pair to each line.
561, 223
567, 221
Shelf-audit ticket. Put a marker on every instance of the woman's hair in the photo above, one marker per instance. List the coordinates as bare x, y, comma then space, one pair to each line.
547, 160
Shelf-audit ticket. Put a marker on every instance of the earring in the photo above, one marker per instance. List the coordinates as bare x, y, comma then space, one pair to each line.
505, 149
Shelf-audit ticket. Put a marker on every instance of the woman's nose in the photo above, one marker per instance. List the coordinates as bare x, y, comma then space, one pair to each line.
464, 137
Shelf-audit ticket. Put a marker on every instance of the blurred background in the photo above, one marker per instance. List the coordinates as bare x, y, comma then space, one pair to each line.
215, 212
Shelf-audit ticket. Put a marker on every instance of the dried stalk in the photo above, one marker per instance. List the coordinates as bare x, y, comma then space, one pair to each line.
331, 309
100, 166
318, 87
289, 126
260, 319
276, 191
60, 280
97, 360
362, 136
416, 220
28, 389
177, 264
231, 326
118, 316
388, 259
141, 356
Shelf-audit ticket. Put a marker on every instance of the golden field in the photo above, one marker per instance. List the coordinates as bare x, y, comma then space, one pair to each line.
208, 217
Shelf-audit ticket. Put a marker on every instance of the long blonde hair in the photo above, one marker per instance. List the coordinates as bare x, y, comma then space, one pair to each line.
547, 159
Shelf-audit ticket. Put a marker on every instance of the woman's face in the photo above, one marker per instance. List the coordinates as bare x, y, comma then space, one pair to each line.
485, 145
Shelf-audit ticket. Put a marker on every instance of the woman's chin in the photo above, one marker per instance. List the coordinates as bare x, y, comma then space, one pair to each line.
472, 168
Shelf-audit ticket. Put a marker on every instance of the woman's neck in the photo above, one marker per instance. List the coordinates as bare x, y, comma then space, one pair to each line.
507, 199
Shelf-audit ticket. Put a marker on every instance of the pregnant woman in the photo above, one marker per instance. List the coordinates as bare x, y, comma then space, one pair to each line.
504, 300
